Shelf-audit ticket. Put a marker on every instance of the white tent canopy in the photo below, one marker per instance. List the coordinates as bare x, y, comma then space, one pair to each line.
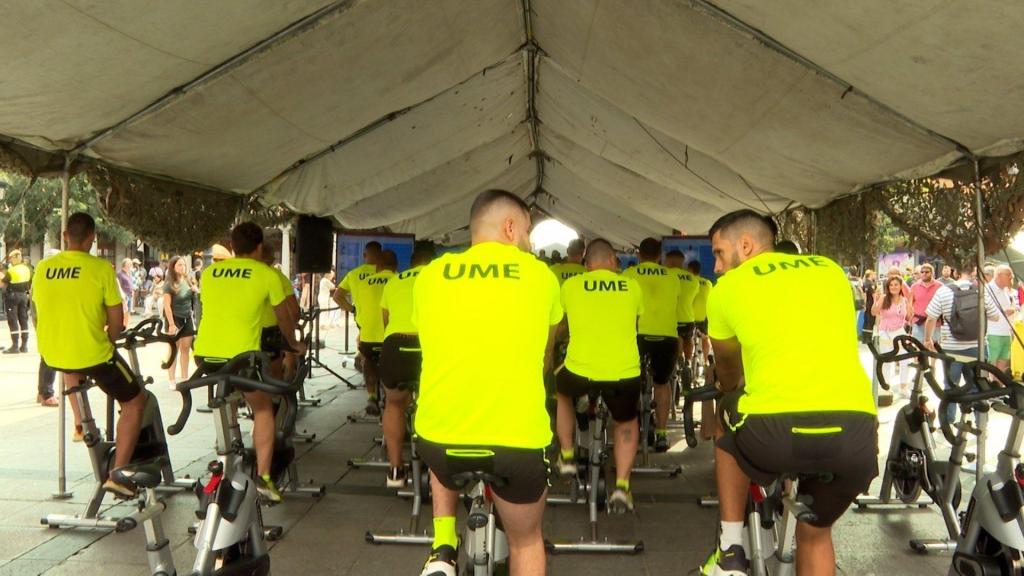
622, 118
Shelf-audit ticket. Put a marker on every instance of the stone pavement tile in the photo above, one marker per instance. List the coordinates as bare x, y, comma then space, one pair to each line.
64, 545
16, 541
26, 567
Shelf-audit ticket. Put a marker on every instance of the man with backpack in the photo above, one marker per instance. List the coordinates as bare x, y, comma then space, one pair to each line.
957, 305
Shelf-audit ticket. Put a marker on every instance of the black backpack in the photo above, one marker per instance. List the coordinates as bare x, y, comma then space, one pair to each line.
963, 320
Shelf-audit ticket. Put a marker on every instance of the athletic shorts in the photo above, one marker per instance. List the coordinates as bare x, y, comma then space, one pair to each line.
371, 352
702, 325
662, 350
523, 470
400, 361
841, 445
620, 396
998, 347
185, 326
272, 342
685, 329
114, 377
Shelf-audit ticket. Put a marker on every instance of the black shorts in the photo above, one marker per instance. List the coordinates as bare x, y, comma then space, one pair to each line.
662, 350
768, 445
685, 329
185, 326
702, 325
371, 352
272, 342
400, 361
524, 470
114, 377
621, 396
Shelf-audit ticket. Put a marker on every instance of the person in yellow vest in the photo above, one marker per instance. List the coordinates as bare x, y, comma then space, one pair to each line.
573, 264
688, 289
235, 294
486, 320
659, 337
708, 422
602, 309
19, 282
797, 397
272, 340
400, 359
371, 319
79, 314
348, 295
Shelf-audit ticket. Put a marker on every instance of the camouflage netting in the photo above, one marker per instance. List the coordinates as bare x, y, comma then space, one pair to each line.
937, 214
266, 216
173, 216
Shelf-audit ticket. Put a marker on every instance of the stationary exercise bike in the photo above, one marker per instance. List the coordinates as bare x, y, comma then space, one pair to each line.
647, 420
593, 476
991, 541
911, 465
484, 544
152, 443
230, 537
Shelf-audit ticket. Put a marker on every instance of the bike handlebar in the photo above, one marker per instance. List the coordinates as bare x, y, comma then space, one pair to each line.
905, 347
983, 389
147, 332
227, 379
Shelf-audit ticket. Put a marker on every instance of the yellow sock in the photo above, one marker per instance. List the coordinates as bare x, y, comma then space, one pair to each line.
444, 532
661, 432
622, 483
568, 455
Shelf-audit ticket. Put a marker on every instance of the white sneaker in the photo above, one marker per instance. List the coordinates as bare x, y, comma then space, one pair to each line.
620, 501
566, 468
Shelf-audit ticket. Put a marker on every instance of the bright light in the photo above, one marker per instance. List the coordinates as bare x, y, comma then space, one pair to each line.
1018, 242
552, 235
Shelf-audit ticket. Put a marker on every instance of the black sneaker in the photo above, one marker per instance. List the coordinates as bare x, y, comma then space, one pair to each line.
396, 477
661, 443
441, 562
731, 562
371, 407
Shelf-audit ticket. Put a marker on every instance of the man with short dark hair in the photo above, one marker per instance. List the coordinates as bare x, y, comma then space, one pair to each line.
805, 405
688, 289
351, 287
236, 293
658, 337
573, 264
79, 314
602, 309
486, 320
400, 360
371, 320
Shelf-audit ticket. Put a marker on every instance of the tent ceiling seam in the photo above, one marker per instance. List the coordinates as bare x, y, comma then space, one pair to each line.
532, 54
723, 16
297, 28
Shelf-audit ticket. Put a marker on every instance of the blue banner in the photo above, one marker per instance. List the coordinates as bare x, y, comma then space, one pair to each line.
694, 248
350, 249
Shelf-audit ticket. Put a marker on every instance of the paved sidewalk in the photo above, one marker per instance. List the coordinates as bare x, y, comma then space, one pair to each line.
327, 536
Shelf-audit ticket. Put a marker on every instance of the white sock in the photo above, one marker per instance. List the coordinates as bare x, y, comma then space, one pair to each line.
732, 535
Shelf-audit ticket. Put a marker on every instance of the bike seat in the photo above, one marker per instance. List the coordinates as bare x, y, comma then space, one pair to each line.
464, 479
145, 474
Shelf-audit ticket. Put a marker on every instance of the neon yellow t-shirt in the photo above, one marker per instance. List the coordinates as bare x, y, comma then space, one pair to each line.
235, 295
484, 317
355, 281
72, 291
688, 289
700, 301
20, 273
397, 300
799, 348
661, 294
368, 311
602, 308
566, 270
269, 318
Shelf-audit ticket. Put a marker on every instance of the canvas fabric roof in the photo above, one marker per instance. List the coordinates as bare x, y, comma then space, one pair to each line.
624, 118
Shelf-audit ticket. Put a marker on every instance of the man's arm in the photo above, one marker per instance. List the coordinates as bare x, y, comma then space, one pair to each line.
341, 299
549, 348
728, 363
286, 322
387, 317
115, 321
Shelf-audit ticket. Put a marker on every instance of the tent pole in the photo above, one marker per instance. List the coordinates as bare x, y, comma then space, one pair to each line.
62, 491
978, 222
